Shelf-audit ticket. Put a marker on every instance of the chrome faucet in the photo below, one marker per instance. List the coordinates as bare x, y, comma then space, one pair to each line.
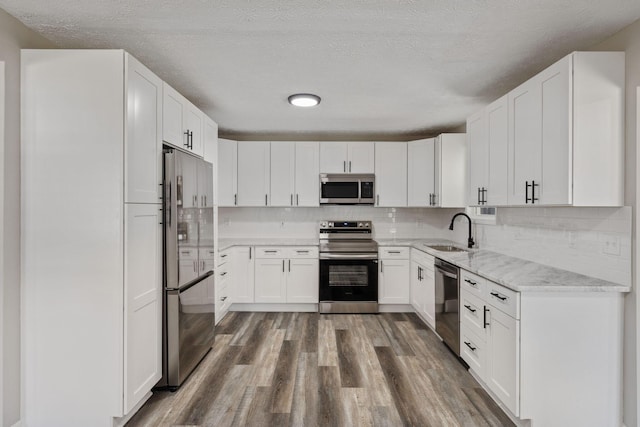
470, 241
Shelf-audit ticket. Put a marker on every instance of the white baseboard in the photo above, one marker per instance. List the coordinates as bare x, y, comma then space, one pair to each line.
274, 307
395, 308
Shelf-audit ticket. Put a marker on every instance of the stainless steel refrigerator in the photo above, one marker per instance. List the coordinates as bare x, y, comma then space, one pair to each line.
189, 298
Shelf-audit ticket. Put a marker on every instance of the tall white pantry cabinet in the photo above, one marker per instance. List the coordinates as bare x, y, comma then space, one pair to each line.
91, 236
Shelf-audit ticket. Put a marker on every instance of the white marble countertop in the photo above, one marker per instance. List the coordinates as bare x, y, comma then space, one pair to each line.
265, 241
513, 273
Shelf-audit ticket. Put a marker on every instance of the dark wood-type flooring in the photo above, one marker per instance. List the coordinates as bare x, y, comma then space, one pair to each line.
308, 369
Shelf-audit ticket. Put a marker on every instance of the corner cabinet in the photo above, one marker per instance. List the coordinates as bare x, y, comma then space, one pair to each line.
437, 171
532, 349
227, 172
91, 283
182, 122
423, 286
391, 174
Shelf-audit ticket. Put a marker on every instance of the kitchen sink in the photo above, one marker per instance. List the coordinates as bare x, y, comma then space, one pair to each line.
446, 248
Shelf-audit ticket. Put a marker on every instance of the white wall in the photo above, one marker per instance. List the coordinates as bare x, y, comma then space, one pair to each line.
13, 37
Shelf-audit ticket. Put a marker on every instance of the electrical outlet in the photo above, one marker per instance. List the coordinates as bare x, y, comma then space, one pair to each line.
611, 245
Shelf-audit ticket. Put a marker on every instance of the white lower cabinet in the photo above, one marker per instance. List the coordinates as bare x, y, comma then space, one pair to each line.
423, 286
243, 272
286, 275
393, 277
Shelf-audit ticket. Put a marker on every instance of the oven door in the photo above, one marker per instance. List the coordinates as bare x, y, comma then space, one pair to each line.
348, 279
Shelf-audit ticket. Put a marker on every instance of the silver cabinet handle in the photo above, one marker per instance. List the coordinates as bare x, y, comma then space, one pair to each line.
393, 252
270, 251
250, 252
378, 200
235, 199
223, 256
289, 266
205, 200
161, 191
381, 266
223, 273
265, 200
302, 252
283, 266
297, 200
344, 166
291, 199
349, 165
223, 299
195, 267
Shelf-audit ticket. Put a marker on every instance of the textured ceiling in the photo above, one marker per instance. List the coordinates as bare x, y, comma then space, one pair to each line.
385, 69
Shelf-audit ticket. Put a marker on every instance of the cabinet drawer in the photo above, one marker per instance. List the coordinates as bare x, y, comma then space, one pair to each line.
188, 253
224, 257
207, 253
472, 313
270, 252
503, 299
394, 252
302, 252
472, 282
473, 351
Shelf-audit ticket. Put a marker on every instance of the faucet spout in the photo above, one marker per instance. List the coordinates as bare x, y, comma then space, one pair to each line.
470, 241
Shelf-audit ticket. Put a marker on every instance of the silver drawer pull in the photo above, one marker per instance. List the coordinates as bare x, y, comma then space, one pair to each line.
471, 282
223, 299
303, 252
500, 297
223, 256
223, 273
468, 344
468, 307
270, 252
393, 252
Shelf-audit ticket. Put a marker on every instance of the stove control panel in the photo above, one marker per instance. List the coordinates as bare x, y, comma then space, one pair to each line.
345, 224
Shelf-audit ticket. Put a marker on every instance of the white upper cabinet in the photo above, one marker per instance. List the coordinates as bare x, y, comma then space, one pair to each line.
437, 171
227, 172
421, 172
210, 154
496, 194
450, 170
182, 122
143, 144
307, 174
478, 160
566, 140
283, 157
391, 173
253, 173
347, 157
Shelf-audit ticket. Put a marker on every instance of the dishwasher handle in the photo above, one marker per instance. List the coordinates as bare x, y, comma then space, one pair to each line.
446, 273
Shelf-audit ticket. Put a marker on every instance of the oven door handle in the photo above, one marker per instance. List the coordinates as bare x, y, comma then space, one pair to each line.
348, 256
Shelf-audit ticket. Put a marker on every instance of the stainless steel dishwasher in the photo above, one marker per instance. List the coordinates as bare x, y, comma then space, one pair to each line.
447, 313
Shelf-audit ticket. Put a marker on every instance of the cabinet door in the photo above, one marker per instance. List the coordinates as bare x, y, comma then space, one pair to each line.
502, 374
227, 172
498, 140
478, 159
361, 157
429, 285
302, 280
282, 174
333, 157
194, 125
557, 118
451, 170
205, 185
393, 282
307, 174
243, 272
270, 284
173, 117
143, 301
391, 173
420, 172
253, 173
416, 287
525, 132
143, 144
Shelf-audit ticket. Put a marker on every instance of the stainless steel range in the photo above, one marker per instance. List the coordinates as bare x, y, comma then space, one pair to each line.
348, 267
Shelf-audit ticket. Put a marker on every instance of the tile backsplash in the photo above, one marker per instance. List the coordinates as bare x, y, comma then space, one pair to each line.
388, 223
591, 241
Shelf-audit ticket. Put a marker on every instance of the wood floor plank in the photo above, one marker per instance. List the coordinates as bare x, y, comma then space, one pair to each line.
223, 410
284, 377
304, 407
256, 339
350, 374
267, 359
398, 343
375, 332
327, 348
330, 411
310, 334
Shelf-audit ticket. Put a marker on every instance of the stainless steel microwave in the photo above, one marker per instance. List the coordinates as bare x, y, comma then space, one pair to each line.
347, 189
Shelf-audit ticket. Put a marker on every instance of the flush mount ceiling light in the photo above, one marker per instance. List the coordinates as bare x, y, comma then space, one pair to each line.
304, 100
